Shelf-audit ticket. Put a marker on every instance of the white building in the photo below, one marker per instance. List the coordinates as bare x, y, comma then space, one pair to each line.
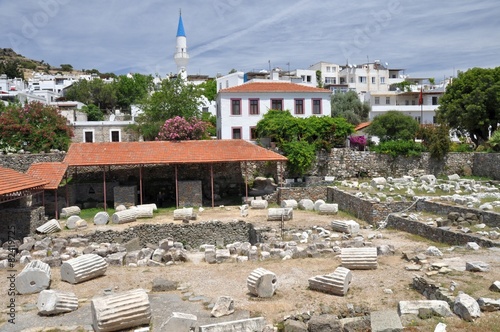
240, 107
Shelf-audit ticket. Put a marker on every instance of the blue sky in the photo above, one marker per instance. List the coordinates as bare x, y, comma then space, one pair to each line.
426, 38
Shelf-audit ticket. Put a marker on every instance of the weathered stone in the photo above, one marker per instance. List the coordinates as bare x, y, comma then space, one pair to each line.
495, 286
223, 306
163, 285
144, 212
151, 206
345, 226
222, 255
83, 268
328, 209
428, 178
34, 278
385, 250
279, 214
433, 251
324, 323
121, 311
318, 203
289, 203
134, 256
71, 221
291, 325
262, 283
250, 324
70, 211
472, 246
120, 207
487, 304
385, 321
49, 227
125, 216
378, 181
184, 213
306, 204
259, 204
477, 266
466, 307
359, 258
81, 224
101, 218
117, 258
179, 321
210, 256
336, 283
439, 308
51, 302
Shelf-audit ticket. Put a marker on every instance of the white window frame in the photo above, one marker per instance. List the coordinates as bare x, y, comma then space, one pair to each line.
85, 131
119, 134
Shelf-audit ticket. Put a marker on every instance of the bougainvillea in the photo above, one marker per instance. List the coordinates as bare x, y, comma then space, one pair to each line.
180, 129
34, 127
358, 142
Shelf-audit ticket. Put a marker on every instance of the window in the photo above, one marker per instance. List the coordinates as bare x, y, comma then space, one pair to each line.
407, 102
204, 109
88, 136
253, 106
227, 84
236, 133
351, 80
299, 106
377, 100
114, 136
308, 78
434, 100
387, 100
373, 80
328, 69
330, 80
235, 106
434, 119
382, 80
413, 102
277, 104
253, 133
316, 103
362, 79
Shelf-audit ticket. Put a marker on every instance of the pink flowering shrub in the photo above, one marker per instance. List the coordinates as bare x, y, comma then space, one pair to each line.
358, 142
180, 129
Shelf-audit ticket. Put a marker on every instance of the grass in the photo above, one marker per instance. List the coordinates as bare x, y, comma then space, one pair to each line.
88, 214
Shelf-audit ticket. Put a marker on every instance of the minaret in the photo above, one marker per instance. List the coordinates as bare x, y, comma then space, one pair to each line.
181, 56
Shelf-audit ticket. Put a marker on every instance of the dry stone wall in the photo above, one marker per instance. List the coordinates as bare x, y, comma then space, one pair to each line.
20, 222
492, 219
487, 165
21, 162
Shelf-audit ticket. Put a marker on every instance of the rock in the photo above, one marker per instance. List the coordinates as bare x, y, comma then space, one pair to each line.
487, 304
428, 178
117, 258
34, 278
250, 324
294, 326
223, 306
433, 251
472, 246
486, 207
495, 286
454, 177
163, 285
385, 320
120, 207
385, 250
440, 327
71, 221
378, 181
179, 322
466, 307
438, 308
345, 226
477, 266
323, 323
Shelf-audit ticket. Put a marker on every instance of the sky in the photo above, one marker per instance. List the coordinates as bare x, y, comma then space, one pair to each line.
425, 38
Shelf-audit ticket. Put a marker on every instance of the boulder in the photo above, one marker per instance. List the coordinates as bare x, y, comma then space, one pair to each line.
477, 266
466, 307
487, 304
223, 306
495, 286
439, 308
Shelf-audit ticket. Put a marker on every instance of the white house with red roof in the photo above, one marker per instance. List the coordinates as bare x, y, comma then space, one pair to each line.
240, 107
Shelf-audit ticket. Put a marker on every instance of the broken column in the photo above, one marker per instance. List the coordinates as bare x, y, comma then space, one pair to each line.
52, 302
70, 211
345, 226
336, 283
289, 203
49, 227
101, 218
144, 212
120, 311
262, 283
278, 214
125, 216
149, 206
83, 268
34, 278
71, 222
359, 258
328, 209
259, 204
185, 213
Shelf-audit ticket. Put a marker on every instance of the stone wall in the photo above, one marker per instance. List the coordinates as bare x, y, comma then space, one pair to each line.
125, 195
436, 234
370, 211
193, 234
21, 162
18, 223
487, 165
190, 194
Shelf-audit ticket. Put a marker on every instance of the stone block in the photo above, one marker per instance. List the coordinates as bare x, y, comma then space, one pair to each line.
70, 211
466, 307
359, 258
52, 302
180, 322
51, 226
101, 218
34, 278
279, 214
83, 268
250, 324
385, 321
223, 306
262, 283
439, 308
289, 203
336, 283
306, 204
259, 204
328, 209
184, 214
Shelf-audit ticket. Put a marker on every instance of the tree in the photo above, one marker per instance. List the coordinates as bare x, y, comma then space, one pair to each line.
93, 113
66, 67
348, 106
173, 98
95, 91
318, 78
34, 127
209, 88
436, 139
211, 121
471, 103
131, 90
494, 141
393, 125
12, 69
180, 129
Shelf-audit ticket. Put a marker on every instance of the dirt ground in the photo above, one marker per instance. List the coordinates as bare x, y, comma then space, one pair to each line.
370, 290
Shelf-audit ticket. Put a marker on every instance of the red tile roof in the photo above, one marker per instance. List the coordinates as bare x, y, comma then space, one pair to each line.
273, 87
163, 152
51, 172
362, 125
12, 181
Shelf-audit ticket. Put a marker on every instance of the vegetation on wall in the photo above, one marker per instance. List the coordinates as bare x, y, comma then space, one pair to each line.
33, 127
393, 125
348, 106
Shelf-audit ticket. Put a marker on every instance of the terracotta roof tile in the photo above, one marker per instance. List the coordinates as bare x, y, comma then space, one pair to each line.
51, 172
362, 125
273, 87
12, 181
164, 152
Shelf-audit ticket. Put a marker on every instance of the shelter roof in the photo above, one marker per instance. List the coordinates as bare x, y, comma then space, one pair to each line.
13, 181
51, 172
167, 152
274, 87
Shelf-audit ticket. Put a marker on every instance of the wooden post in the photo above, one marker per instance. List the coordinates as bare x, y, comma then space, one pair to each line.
57, 212
104, 186
67, 194
140, 183
176, 189
246, 183
212, 183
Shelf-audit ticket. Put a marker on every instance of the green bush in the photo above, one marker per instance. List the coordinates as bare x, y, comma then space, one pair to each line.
300, 156
460, 147
399, 148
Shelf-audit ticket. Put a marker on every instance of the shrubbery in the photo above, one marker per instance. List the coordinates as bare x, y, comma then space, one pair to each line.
399, 148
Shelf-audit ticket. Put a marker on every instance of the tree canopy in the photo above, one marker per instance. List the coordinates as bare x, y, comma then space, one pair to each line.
471, 103
348, 105
12, 69
95, 91
173, 98
34, 127
131, 90
392, 126
209, 88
